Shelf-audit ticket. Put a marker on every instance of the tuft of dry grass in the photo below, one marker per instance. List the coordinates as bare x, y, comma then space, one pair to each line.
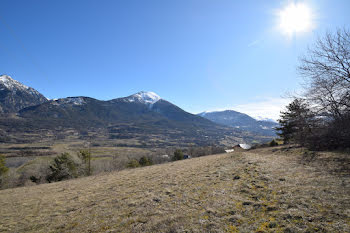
265, 190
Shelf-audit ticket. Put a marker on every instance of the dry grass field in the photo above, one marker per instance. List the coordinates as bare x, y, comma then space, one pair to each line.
264, 190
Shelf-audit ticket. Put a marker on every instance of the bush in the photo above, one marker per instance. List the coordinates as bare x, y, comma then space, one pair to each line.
34, 179
63, 167
145, 161
3, 168
178, 155
273, 143
85, 157
133, 163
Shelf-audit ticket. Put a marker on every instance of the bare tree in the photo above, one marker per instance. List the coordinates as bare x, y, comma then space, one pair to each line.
326, 70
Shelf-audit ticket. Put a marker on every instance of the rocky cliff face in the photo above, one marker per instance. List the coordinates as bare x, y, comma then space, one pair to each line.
15, 96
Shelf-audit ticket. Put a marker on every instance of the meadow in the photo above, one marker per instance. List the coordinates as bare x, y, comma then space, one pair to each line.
278, 189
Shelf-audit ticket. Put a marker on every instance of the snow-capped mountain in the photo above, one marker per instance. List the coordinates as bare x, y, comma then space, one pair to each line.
15, 96
136, 116
260, 118
145, 97
139, 107
241, 121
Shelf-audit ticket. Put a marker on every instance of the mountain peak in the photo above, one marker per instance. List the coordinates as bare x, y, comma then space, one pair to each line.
12, 84
146, 97
15, 96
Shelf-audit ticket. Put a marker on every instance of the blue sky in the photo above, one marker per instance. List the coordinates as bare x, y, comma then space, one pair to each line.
200, 55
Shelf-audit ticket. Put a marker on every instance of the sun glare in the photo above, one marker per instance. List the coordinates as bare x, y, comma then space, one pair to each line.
295, 18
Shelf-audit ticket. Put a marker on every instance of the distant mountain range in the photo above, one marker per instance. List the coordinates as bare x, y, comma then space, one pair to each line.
140, 115
142, 108
241, 121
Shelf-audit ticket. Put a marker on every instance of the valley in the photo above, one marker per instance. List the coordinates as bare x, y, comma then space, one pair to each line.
175, 116
35, 130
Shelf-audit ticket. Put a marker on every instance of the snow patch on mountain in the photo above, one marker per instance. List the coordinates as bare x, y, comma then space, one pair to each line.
70, 100
264, 127
202, 114
145, 97
13, 85
260, 118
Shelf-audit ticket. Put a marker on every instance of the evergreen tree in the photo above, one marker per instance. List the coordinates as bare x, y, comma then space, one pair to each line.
273, 143
295, 123
62, 168
145, 161
178, 155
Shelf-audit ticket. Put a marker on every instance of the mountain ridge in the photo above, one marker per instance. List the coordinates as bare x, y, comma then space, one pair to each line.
136, 116
242, 121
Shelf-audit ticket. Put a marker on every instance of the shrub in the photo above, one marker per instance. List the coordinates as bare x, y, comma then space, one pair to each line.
85, 157
63, 167
3, 168
178, 155
273, 143
145, 161
133, 163
34, 179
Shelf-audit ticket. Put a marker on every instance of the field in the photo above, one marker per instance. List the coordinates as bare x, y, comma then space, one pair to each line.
264, 190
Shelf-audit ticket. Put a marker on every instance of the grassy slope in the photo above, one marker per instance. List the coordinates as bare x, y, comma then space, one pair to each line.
243, 191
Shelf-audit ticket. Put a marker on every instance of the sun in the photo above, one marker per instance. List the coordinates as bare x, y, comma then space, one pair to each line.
295, 18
